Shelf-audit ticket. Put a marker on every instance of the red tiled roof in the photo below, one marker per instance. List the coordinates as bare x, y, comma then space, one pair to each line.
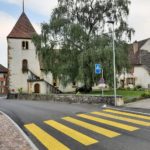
23, 28
140, 57
3, 69
135, 58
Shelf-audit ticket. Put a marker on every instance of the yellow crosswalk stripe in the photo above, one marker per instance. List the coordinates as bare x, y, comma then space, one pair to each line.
82, 138
47, 140
97, 129
128, 114
135, 121
108, 122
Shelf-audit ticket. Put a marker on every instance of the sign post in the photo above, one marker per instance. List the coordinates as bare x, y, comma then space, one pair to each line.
102, 83
98, 71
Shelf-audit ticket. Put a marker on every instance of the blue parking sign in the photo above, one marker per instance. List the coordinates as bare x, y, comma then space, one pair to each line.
97, 69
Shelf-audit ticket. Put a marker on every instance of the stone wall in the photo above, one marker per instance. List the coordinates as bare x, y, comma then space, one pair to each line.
70, 98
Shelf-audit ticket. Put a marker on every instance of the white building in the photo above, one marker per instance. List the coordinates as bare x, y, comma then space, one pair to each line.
25, 74
3, 79
140, 61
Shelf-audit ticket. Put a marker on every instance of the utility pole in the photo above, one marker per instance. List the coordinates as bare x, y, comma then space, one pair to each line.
102, 87
114, 62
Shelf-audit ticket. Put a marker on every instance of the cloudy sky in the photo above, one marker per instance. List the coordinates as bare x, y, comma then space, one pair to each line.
39, 11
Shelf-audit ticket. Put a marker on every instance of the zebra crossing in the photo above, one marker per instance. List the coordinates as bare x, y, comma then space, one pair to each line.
94, 122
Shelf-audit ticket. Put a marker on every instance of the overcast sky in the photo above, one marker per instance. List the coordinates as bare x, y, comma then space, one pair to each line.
39, 11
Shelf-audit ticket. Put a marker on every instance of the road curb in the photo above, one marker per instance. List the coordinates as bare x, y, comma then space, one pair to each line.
131, 111
33, 146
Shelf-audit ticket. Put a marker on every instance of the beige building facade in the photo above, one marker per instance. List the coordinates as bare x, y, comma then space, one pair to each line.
3, 80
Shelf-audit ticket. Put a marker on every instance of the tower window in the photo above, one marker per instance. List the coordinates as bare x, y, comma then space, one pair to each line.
25, 45
24, 66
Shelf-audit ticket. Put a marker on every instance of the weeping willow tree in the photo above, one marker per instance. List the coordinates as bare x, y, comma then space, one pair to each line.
78, 36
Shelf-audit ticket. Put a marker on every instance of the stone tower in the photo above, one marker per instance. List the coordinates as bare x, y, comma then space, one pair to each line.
22, 58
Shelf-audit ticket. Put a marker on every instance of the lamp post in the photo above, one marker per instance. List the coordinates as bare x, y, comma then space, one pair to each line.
114, 61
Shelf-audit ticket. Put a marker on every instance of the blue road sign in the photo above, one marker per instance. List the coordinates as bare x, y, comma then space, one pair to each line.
97, 69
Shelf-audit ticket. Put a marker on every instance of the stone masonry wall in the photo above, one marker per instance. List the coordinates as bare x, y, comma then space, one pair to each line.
70, 98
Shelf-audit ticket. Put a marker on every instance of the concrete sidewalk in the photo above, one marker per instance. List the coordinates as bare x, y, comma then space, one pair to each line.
11, 138
145, 104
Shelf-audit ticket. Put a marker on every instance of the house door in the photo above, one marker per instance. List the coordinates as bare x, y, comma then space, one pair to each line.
122, 83
37, 88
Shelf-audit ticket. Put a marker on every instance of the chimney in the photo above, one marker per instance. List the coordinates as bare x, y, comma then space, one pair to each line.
135, 47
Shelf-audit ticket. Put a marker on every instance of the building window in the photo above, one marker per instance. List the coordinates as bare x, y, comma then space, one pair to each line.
131, 81
122, 83
25, 45
24, 66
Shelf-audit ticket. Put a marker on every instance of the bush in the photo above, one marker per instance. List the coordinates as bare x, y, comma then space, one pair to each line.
146, 94
121, 88
135, 89
128, 88
20, 90
84, 89
138, 88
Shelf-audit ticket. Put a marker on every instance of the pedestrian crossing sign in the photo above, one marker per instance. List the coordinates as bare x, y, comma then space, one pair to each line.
97, 69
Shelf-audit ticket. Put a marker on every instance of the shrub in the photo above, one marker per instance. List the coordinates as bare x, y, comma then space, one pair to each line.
135, 89
128, 88
20, 90
84, 89
146, 94
121, 88
138, 86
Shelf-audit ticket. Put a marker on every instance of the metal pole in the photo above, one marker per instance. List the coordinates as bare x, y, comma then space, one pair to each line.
102, 78
114, 65
23, 6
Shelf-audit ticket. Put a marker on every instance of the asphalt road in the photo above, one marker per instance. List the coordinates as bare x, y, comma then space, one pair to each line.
62, 126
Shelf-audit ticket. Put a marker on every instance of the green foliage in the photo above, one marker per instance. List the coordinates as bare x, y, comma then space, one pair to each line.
20, 90
138, 86
146, 94
128, 95
78, 93
74, 40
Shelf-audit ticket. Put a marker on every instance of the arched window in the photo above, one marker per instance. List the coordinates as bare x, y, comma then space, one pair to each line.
36, 88
24, 66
